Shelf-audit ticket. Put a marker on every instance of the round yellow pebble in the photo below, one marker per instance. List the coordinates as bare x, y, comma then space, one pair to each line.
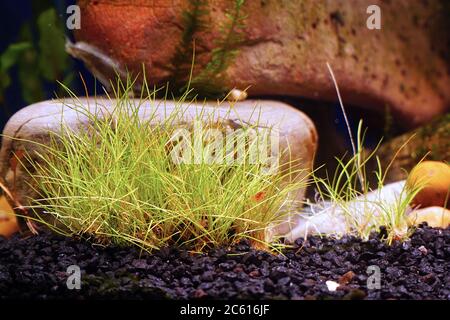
434, 177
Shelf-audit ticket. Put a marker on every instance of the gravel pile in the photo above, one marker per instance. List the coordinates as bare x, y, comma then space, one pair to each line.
36, 267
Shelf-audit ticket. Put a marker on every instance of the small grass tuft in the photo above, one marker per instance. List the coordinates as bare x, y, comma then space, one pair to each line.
349, 194
366, 209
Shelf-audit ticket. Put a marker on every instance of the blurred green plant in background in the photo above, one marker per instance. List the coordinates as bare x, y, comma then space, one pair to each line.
38, 55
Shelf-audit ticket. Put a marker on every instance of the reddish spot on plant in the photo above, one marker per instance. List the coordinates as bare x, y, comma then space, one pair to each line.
259, 196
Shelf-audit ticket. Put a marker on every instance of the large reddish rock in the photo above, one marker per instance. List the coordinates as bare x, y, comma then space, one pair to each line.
281, 47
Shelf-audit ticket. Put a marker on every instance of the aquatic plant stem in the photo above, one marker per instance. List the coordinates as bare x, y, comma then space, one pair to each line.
361, 178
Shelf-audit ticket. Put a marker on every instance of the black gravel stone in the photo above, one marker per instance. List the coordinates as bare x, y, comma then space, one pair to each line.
35, 267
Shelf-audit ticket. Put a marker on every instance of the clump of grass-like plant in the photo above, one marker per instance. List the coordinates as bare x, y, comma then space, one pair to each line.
115, 180
364, 208
348, 191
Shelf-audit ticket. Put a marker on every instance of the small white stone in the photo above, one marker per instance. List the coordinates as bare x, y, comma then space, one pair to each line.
332, 285
330, 218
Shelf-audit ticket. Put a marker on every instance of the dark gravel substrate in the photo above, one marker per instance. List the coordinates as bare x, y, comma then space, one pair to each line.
418, 269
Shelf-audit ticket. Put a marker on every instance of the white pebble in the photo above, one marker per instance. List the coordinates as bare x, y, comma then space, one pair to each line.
332, 285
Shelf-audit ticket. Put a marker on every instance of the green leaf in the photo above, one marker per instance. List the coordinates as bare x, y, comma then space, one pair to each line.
10, 56
8, 59
53, 59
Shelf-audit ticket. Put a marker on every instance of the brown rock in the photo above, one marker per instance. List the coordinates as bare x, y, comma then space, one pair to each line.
280, 47
34, 122
346, 278
429, 142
